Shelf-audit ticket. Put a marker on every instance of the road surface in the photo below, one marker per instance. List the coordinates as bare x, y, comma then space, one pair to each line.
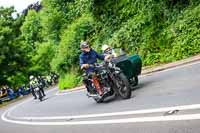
164, 102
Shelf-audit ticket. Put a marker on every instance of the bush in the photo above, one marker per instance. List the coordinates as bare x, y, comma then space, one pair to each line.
160, 31
67, 56
186, 39
69, 80
44, 54
18, 80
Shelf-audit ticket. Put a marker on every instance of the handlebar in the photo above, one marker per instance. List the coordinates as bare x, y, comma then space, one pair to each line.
95, 65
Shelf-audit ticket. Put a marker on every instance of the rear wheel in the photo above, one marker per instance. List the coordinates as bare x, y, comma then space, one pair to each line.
124, 89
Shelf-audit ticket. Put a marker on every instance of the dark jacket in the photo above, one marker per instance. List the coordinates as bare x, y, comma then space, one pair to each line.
90, 58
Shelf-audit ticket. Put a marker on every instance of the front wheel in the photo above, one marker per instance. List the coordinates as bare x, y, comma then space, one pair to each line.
40, 95
98, 99
124, 89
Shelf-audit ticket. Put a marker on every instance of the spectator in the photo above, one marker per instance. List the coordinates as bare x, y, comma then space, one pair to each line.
11, 93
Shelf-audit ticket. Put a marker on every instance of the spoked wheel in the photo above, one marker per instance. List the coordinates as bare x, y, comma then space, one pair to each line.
124, 89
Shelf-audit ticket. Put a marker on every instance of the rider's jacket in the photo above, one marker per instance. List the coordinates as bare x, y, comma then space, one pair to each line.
34, 83
90, 58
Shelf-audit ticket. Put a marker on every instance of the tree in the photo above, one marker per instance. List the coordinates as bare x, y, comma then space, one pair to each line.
43, 57
31, 30
13, 59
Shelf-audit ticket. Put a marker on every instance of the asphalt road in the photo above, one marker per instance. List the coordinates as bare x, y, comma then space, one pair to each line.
164, 102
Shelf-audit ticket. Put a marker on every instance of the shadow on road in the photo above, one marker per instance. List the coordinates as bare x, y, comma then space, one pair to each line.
142, 85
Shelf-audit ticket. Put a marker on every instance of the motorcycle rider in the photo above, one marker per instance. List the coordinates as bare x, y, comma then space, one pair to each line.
33, 84
110, 52
107, 50
41, 85
87, 57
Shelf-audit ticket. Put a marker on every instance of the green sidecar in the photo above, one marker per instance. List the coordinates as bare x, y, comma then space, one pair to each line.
131, 66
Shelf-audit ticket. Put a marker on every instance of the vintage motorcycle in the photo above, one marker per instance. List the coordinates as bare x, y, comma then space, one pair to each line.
115, 78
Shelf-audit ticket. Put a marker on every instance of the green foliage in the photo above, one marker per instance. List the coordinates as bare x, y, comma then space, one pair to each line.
130, 35
51, 23
178, 40
18, 79
186, 37
159, 30
13, 59
31, 29
69, 81
67, 56
41, 60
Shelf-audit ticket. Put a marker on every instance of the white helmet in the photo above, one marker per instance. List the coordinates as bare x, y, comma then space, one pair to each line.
31, 77
104, 47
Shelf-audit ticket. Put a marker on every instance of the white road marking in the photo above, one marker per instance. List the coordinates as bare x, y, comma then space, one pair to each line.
113, 121
147, 111
29, 99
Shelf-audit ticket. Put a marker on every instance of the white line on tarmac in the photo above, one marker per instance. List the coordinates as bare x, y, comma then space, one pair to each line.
146, 111
113, 121
29, 99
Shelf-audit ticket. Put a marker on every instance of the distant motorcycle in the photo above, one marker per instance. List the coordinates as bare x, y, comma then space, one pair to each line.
38, 93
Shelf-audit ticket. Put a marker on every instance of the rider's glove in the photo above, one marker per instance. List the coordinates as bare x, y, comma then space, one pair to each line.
84, 66
108, 57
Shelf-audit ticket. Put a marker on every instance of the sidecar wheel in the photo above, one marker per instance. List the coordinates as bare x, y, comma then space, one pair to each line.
124, 88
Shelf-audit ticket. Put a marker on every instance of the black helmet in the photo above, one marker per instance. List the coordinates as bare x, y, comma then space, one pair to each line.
84, 45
